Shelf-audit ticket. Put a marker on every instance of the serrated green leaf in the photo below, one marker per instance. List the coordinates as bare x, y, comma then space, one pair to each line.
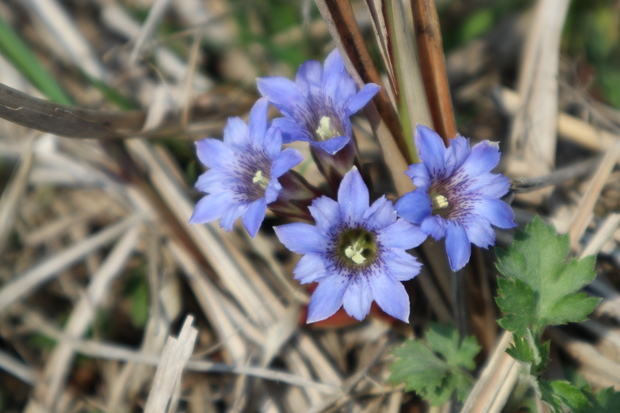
517, 300
562, 396
521, 351
444, 339
537, 259
435, 369
607, 400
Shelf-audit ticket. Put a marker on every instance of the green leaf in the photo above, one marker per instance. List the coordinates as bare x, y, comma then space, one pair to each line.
19, 54
435, 369
518, 301
540, 285
562, 396
521, 351
607, 400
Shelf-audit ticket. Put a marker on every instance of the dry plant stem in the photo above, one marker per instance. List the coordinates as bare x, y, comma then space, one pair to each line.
17, 368
11, 196
59, 363
339, 17
569, 128
44, 271
533, 134
175, 355
584, 211
557, 177
433, 66
496, 381
412, 105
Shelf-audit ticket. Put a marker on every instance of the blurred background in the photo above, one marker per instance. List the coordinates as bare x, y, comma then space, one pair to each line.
98, 265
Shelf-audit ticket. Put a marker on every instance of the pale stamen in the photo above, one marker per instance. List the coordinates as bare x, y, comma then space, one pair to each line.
439, 202
325, 131
354, 253
260, 179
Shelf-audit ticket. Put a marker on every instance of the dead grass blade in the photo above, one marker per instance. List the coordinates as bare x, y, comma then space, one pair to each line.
584, 211
534, 129
44, 271
167, 381
59, 362
17, 369
12, 194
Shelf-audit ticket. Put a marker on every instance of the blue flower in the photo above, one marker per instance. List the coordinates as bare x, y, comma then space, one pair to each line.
244, 171
456, 195
317, 107
356, 253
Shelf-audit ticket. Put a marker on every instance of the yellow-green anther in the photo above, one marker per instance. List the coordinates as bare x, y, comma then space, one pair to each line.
324, 131
354, 253
439, 202
260, 179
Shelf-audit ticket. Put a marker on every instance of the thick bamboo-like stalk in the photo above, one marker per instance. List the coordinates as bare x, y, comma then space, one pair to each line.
433, 65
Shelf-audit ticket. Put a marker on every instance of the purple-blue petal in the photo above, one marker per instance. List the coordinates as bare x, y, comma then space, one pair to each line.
210, 208
230, 215
391, 296
327, 298
457, 153
254, 216
479, 232
291, 130
458, 246
310, 268
283, 94
419, 175
414, 206
272, 144
214, 180
302, 238
309, 77
326, 213
287, 159
361, 98
484, 157
258, 122
236, 133
358, 297
434, 226
380, 214
353, 196
401, 234
333, 66
271, 192
214, 153
431, 149
401, 265
332, 145
490, 185
497, 212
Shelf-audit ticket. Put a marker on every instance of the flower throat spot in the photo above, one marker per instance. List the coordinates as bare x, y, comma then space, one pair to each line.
325, 131
260, 179
357, 247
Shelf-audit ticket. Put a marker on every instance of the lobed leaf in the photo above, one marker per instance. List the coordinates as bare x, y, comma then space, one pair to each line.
541, 287
436, 369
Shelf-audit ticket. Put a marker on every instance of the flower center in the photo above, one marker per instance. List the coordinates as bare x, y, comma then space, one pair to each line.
260, 179
440, 204
357, 247
326, 130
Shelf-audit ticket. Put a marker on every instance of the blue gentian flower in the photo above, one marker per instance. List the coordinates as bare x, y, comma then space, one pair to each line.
356, 253
456, 195
244, 171
317, 107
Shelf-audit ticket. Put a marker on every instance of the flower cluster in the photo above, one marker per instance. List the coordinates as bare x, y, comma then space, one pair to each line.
354, 249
